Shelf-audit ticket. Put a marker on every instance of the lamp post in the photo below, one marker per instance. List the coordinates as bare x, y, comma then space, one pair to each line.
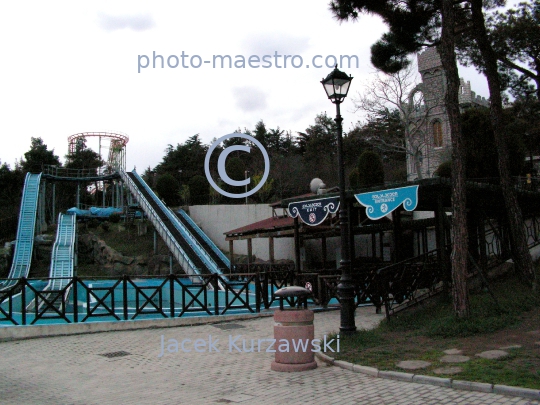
336, 86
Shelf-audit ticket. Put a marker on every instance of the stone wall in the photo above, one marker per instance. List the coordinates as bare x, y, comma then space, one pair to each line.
434, 88
95, 251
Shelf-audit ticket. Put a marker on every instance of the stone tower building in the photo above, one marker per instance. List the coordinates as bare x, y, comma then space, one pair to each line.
436, 143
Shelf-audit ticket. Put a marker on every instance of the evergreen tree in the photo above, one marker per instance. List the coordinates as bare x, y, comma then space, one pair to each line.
167, 188
199, 191
37, 156
370, 169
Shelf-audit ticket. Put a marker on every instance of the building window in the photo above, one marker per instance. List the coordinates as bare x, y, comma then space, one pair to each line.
437, 134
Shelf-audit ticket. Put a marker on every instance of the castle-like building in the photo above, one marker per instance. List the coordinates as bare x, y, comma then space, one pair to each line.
435, 144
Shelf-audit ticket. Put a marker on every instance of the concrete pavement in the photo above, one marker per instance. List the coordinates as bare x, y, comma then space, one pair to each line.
125, 367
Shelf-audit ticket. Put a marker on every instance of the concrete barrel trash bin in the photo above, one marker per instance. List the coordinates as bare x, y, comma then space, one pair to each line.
293, 333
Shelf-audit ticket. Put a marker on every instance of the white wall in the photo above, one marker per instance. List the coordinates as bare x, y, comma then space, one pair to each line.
215, 220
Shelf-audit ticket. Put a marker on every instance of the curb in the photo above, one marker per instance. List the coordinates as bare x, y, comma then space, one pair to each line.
11, 333
441, 382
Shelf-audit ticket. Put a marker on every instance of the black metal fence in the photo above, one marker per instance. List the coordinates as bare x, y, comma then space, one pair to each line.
30, 302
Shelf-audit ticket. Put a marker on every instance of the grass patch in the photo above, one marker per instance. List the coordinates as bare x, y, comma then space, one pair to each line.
424, 333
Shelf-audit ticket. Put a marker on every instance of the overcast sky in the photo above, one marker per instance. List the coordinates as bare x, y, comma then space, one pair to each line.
70, 67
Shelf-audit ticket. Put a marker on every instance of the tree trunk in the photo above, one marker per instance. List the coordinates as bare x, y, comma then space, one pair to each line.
459, 198
520, 250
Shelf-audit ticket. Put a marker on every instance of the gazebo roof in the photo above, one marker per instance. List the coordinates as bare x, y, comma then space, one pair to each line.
273, 224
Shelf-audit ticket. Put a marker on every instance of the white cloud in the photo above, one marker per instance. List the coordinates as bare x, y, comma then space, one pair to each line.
269, 43
64, 73
249, 98
135, 22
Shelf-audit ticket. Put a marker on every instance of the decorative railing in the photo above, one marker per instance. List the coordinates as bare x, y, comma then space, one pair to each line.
409, 281
84, 173
131, 298
261, 267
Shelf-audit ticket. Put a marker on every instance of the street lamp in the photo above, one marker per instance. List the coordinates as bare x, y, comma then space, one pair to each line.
336, 86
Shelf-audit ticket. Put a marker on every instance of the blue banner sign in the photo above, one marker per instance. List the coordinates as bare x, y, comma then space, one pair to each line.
383, 202
314, 212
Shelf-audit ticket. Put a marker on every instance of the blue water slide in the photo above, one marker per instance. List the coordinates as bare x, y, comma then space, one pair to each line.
62, 262
63, 252
205, 257
24, 244
188, 260
205, 241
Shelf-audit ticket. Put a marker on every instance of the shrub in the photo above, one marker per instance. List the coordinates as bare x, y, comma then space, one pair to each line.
167, 188
444, 170
370, 169
199, 190
114, 217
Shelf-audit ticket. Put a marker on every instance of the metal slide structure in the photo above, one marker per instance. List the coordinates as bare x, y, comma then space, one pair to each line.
62, 260
189, 252
25, 231
217, 255
63, 253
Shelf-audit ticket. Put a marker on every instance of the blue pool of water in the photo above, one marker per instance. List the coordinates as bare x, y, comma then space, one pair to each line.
105, 300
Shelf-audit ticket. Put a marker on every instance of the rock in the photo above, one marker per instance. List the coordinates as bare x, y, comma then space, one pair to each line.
413, 364
138, 270
448, 370
493, 354
454, 358
119, 269
142, 260
127, 260
453, 351
510, 347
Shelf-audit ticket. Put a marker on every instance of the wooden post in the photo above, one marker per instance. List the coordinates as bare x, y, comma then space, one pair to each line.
271, 249
231, 252
324, 252
441, 238
381, 245
396, 223
250, 253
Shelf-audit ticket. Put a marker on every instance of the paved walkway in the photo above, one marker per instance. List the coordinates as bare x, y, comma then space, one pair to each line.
74, 370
